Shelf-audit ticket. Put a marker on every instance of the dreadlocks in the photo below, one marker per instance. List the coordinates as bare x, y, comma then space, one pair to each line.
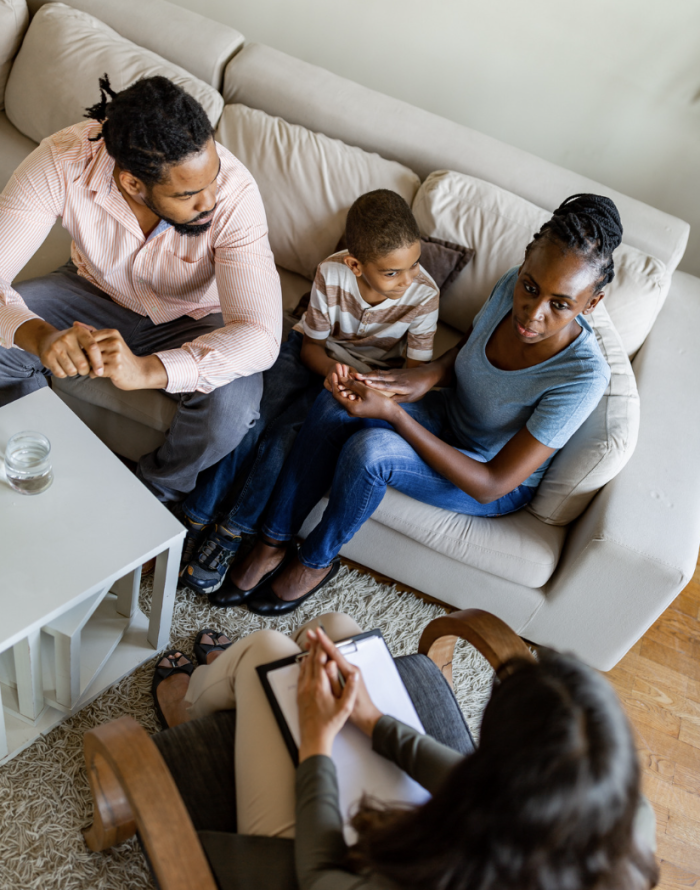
589, 225
149, 126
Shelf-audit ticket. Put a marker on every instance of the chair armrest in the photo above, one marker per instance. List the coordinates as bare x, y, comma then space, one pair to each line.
132, 791
487, 633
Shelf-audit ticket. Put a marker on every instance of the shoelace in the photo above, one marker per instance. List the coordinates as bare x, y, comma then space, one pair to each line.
218, 552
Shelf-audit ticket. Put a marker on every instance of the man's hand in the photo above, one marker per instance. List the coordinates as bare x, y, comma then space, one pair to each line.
126, 370
66, 353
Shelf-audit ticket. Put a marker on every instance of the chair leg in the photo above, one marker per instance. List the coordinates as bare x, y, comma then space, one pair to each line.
113, 821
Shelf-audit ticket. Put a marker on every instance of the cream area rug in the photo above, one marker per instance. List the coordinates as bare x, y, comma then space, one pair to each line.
44, 794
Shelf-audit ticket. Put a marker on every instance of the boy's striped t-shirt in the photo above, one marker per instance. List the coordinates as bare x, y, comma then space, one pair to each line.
359, 333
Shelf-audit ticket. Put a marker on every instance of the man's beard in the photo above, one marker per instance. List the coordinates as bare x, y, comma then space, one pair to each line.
190, 229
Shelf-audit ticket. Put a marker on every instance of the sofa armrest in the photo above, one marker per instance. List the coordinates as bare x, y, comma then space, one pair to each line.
636, 546
133, 790
488, 634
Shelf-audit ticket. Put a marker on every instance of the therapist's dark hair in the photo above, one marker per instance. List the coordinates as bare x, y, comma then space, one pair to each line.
590, 225
547, 801
150, 126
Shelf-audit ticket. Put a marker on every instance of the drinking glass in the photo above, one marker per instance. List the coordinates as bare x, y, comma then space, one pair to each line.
28, 462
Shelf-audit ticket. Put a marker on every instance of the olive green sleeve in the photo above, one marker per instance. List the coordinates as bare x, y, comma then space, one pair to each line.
424, 758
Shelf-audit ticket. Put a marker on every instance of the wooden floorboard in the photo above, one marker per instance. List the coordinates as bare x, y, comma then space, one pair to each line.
659, 685
658, 682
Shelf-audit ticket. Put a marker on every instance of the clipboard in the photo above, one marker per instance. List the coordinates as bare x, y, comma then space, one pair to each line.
360, 769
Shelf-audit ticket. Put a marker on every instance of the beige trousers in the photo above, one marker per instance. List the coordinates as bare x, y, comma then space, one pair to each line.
265, 799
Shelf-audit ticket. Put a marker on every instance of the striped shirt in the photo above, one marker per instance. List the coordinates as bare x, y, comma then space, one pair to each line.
359, 333
228, 269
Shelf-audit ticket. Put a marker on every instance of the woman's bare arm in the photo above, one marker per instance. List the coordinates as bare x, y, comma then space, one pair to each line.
485, 482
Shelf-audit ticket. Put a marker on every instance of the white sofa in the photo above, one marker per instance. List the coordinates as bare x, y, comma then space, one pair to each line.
592, 586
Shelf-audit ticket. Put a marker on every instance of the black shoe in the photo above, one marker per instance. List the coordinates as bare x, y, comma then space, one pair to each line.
230, 595
201, 650
266, 602
162, 673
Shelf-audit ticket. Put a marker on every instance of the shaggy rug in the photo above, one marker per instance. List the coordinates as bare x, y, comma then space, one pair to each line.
44, 791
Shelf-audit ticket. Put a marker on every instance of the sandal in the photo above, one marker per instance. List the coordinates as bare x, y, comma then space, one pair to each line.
162, 673
201, 650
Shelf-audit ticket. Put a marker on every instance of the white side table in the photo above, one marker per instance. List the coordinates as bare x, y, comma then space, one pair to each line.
70, 570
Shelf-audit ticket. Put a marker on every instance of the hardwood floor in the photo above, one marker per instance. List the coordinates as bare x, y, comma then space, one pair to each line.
658, 682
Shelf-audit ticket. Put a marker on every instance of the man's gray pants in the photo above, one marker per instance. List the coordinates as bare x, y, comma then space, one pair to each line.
206, 426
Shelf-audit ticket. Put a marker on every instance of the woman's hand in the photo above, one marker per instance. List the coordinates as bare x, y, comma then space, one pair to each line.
321, 713
364, 713
406, 384
360, 400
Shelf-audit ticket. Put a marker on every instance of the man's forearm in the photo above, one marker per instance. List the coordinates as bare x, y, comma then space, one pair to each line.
30, 335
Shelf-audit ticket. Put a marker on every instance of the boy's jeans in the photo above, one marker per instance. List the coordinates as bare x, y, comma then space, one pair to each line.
357, 459
242, 481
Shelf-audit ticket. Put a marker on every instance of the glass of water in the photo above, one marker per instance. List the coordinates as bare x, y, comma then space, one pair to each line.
28, 462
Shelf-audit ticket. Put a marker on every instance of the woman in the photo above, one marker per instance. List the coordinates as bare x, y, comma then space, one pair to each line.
549, 801
526, 376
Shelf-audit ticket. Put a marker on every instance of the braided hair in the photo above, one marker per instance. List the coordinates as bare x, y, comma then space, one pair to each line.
589, 225
149, 126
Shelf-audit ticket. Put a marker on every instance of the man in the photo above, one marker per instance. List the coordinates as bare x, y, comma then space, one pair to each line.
171, 284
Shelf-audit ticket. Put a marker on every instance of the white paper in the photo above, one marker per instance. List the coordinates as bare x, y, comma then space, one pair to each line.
361, 770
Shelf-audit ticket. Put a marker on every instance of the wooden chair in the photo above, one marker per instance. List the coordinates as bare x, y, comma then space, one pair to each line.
134, 790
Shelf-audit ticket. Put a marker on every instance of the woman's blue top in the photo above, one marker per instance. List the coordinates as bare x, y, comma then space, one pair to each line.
486, 406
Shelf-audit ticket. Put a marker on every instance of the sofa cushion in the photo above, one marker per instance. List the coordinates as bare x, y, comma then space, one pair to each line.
518, 547
14, 18
65, 52
603, 443
307, 182
499, 225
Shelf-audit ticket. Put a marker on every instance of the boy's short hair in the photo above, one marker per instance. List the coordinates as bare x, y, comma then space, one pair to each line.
378, 223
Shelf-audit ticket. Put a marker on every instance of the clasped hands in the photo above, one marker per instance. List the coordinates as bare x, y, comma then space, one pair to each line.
378, 394
83, 350
325, 703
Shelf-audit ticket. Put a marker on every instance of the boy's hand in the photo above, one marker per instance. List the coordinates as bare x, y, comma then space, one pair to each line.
403, 384
360, 400
335, 374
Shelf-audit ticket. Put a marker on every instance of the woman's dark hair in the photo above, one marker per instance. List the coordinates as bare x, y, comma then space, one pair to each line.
378, 223
589, 225
547, 801
150, 126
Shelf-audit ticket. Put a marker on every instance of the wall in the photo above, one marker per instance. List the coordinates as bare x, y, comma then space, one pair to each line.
610, 88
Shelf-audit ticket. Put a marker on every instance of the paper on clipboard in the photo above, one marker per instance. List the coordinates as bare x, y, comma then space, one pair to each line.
360, 770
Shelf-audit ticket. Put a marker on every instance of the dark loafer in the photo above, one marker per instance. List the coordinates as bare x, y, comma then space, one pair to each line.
162, 673
230, 595
266, 602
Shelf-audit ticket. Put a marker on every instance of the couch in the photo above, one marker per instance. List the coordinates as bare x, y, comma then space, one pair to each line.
592, 565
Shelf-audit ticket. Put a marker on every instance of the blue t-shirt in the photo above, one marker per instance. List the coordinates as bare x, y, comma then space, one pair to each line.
486, 406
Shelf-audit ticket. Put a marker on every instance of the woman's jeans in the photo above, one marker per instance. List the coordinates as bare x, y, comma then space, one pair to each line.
240, 484
357, 459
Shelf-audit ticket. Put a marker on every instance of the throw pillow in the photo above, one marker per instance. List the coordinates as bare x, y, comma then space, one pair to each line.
602, 445
499, 225
307, 182
14, 18
65, 52
442, 260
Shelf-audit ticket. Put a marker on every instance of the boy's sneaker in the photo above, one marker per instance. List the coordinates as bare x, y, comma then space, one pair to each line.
206, 572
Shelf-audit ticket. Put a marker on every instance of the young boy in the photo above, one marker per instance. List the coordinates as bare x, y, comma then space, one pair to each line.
368, 303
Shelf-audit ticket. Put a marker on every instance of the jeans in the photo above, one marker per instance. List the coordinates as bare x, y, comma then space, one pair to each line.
357, 459
206, 426
240, 485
